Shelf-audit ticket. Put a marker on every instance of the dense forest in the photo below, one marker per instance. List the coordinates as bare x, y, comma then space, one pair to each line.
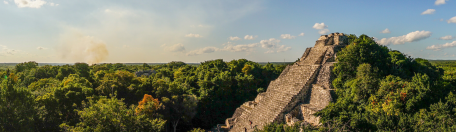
110, 97
377, 89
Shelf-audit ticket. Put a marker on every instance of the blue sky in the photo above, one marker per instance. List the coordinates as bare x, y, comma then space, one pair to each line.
94, 31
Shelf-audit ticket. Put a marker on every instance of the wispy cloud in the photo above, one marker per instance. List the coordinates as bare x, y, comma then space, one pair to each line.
193, 35
442, 46
6, 2
204, 50
440, 2
53, 4
302, 34
250, 37
428, 11
174, 48
234, 38
41, 48
240, 48
273, 45
29, 3
448, 37
410, 37
5, 51
385, 31
287, 36
200, 26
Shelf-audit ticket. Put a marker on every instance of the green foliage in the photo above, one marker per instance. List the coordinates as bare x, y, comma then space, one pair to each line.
377, 89
26, 66
384, 90
17, 111
186, 96
112, 115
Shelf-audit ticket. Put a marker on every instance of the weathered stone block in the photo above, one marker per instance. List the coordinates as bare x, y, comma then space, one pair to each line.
301, 90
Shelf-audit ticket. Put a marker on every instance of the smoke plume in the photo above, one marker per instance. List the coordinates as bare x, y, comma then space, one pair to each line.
81, 48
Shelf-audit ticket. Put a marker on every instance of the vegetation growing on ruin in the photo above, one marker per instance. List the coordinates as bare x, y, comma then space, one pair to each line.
379, 89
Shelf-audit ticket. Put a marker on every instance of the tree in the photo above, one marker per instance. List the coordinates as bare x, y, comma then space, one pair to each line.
26, 66
82, 69
17, 107
148, 106
112, 115
59, 103
124, 84
180, 108
247, 68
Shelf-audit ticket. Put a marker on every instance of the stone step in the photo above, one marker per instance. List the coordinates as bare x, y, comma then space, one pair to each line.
283, 93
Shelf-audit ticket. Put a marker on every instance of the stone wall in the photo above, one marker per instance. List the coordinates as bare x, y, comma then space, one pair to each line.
301, 90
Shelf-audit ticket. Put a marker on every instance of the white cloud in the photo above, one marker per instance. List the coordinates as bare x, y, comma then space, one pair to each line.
269, 43
6, 2
320, 26
282, 48
250, 37
174, 48
428, 11
448, 37
440, 2
29, 3
410, 37
287, 36
323, 31
273, 45
385, 31
440, 47
204, 50
452, 20
240, 48
302, 34
193, 35
234, 38
41, 48
441, 19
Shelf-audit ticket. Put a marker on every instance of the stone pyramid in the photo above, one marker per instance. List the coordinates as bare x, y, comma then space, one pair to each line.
301, 90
